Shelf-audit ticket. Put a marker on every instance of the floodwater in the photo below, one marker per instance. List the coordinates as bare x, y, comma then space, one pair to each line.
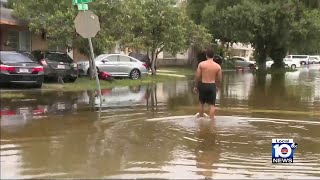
149, 131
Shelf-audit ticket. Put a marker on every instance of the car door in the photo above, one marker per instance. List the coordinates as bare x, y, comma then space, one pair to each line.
125, 65
109, 64
234, 61
239, 62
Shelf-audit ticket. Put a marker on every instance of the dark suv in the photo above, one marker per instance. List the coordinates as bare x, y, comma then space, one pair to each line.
57, 64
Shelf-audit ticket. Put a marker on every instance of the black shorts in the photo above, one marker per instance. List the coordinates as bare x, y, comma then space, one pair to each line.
207, 93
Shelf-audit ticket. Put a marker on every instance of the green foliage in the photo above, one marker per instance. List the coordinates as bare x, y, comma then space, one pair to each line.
274, 28
150, 24
162, 25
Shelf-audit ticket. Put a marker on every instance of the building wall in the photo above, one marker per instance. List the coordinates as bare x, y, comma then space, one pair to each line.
242, 50
77, 56
38, 43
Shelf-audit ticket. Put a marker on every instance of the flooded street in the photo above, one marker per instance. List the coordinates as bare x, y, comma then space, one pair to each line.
150, 132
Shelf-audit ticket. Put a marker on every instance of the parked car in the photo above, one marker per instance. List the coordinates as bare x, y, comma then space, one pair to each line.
289, 63
141, 57
269, 63
314, 59
243, 62
20, 68
57, 64
117, 65
303, 59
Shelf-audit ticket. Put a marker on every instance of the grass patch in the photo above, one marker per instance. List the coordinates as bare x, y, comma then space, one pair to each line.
10, 95
87, 84
178, 70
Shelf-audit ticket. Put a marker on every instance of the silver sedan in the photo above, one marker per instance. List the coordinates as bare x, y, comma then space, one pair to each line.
117, 65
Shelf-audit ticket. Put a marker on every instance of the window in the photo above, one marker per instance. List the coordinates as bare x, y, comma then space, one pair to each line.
24, 41
124, 59
300, 57
112, 58
133, 60
59, 57
8, 57
19, 40
13, 39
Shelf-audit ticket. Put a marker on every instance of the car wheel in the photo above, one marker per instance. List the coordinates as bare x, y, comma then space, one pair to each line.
293, 66
135, 74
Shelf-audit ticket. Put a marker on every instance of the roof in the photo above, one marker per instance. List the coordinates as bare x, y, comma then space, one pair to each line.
7, 18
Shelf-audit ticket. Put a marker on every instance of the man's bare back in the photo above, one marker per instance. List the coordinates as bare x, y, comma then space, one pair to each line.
210, 71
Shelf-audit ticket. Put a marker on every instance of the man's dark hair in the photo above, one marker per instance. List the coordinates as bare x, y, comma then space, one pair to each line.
209, 53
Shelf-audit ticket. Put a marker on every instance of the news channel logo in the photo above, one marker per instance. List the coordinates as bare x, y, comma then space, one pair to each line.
283, 150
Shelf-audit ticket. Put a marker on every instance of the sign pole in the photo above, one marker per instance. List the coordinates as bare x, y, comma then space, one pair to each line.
95, 70
87, 25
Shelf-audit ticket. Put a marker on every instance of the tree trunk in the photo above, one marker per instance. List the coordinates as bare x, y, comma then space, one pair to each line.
153, 62
91, 71
261, 55
277, 54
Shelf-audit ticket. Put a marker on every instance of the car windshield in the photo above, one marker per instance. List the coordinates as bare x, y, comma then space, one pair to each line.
14, 57
29, 56
59, 57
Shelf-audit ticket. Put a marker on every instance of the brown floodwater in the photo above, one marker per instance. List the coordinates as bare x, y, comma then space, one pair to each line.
150, 132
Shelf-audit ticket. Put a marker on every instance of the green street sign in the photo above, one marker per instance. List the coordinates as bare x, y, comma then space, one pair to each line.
74, 2
83, 7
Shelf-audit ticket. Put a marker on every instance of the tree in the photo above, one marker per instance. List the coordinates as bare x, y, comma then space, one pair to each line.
161, 25
152, 24
272, 27
55, 20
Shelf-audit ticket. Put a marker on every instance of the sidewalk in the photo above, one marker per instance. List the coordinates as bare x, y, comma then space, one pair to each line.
169, 73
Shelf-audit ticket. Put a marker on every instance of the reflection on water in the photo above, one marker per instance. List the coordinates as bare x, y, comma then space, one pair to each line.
53, 135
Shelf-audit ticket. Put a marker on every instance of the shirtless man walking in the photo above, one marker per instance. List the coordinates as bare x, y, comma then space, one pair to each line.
211, 75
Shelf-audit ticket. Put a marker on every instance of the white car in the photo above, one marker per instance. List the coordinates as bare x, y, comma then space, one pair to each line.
269, 64
243, 62
303, 59
314, 59
292, 63
289, 63
117, 65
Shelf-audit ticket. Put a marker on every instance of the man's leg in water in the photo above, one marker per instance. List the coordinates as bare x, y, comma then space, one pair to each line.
201, 110
212, 111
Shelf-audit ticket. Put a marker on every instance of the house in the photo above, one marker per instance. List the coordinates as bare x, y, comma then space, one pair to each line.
184, 58
14, 34
242, 50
